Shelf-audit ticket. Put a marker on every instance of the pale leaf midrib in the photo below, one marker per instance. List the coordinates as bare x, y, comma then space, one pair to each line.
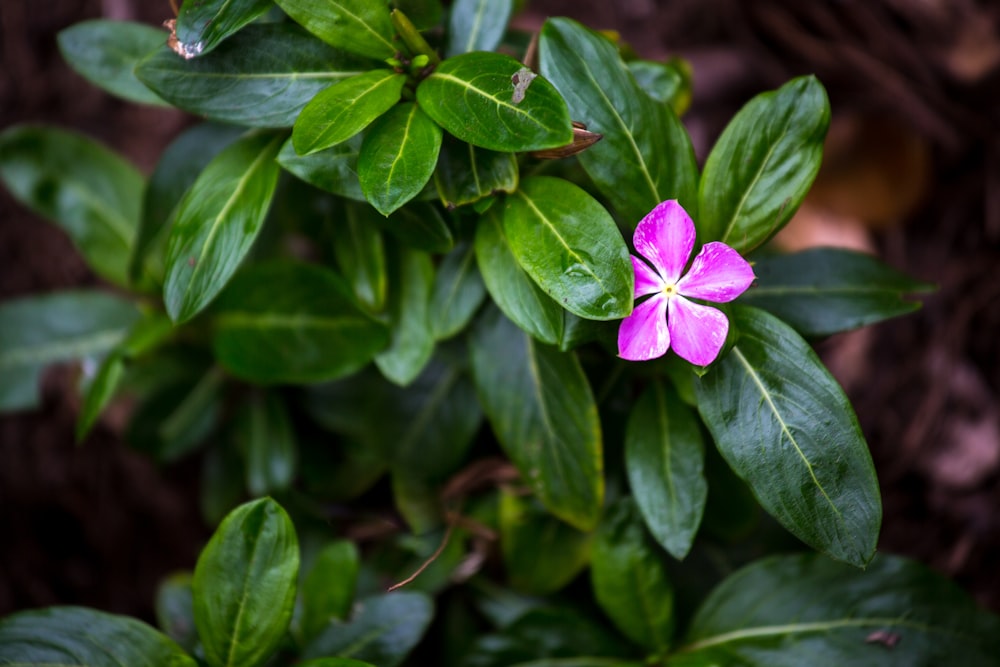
814, 627
82, 346
785, 428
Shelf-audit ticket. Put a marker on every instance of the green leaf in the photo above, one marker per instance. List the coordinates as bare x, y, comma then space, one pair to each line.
178, 168
176, 418
41, 330
222, 486
569, 244
513, 291
645, 156
541, 554
472, 97
328, 590
383, 630
244, 585
359, 26
334, 169
465, 174
477, 25
421, 227
89, 192
261, 77
79, 636
665, 460
175, 609
428, 436
344, 109
398, 157
823, 291
550, 637
411, 277
668, 82
334, 662
360, 254
542, 411
763, 164
630, 580
99, 392
807, 610
424, 14
292, 322
784, 425
105, 53
203, 24
458, 292
216, 223
265, 431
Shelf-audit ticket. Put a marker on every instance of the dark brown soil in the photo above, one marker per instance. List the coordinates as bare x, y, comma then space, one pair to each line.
912, 172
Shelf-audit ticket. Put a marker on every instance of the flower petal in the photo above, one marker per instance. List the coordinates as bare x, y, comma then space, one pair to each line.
665, 237
647, 281
697, 332
643, 334
717, 274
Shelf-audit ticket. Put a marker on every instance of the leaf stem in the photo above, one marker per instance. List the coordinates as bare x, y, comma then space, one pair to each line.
414, 41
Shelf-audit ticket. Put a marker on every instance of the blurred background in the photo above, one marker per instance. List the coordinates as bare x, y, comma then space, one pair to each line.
911, 174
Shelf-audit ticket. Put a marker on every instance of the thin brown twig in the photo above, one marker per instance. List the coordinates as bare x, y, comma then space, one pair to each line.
427, 563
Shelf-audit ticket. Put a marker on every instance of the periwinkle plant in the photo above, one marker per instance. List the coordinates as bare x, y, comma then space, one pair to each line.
391, 253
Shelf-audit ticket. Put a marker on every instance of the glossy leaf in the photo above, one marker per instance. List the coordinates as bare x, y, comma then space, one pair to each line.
569, 244
244, 585
359, 26
41, 330
216, 223
542, 411
328, 589
784, 425
806, 609
174, 608
382, 631
398, 156
477, 25
269, 446
89, 192
630, 580
465, 174
79, 636
823, 291
458, 292
360, 254
541, 554
513, 291
421, 227
344, 109
203, 24
471, 96
645, 156
763, 164
668, 82
334, 169
105, 53
411, 277
292, 322
665, 460
178, 168
260, 77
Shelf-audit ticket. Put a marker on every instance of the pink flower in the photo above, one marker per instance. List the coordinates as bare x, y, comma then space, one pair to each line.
665, 238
